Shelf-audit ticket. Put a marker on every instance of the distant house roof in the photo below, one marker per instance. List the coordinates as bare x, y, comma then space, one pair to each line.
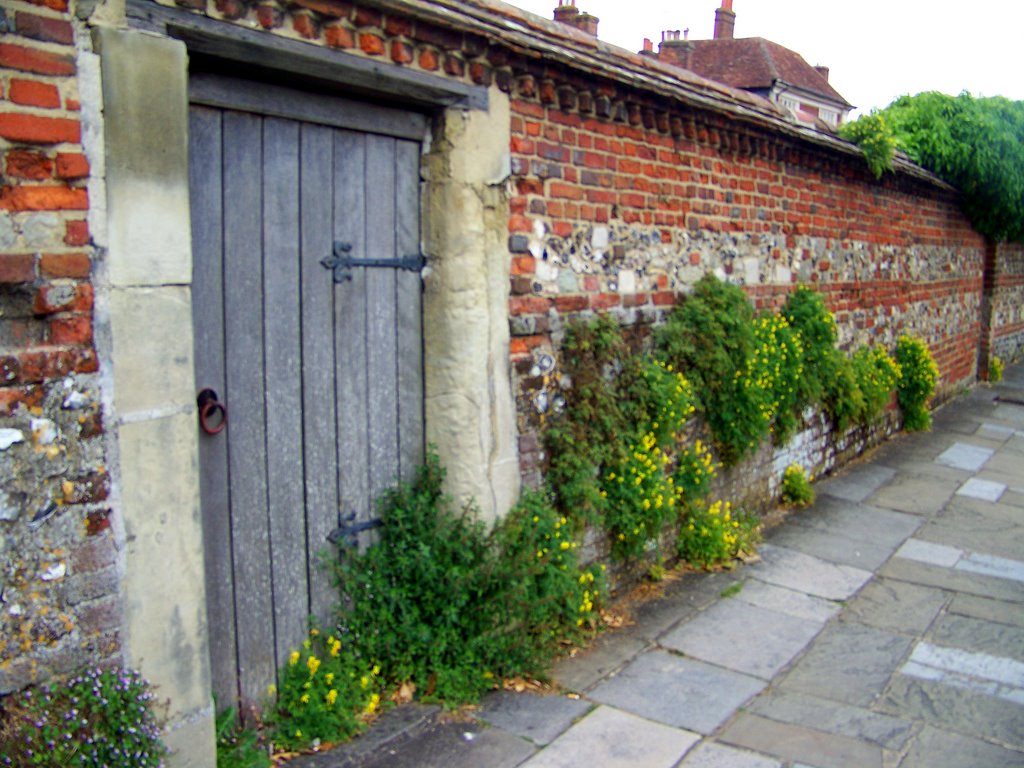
755, 64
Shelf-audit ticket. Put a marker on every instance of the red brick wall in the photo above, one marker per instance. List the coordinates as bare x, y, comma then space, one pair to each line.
622, 212
60, 606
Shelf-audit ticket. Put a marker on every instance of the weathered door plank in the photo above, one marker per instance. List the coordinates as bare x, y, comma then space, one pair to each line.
244, 315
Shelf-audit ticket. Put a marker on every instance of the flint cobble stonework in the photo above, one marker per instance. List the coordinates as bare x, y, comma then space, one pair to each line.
59, 605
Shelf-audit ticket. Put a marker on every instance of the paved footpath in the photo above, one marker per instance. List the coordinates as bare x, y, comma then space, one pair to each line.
884, 626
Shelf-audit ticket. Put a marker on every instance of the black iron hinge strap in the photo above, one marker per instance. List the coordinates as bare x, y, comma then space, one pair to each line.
341, 262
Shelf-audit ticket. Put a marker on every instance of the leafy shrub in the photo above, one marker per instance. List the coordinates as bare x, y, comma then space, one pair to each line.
449, 607
776, 369
98, 718
238, 747
796, 487
807, 314
596, 427
713, 535
642, 497
873, 135
918, 376
995, 369
695, 469
877, 376
710, 337
327, 690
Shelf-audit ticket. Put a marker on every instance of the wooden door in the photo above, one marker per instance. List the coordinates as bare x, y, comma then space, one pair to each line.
321, 380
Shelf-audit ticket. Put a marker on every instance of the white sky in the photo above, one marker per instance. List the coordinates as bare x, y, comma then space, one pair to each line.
876, 49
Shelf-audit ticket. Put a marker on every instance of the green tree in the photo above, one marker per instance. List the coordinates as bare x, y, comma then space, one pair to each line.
976, 144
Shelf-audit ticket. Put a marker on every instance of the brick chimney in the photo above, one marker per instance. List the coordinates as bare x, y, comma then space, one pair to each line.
568, 14
675, 48
725, 21
823, 71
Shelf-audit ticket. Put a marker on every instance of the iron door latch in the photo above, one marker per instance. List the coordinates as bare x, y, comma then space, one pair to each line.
342, 262
348, 532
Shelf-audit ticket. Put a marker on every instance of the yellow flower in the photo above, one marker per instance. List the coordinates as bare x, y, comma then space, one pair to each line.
314, 664
371, 705
332, 696
376, 669
304, 699
293, 659
335, 647
271, 689
364, 682
329, 678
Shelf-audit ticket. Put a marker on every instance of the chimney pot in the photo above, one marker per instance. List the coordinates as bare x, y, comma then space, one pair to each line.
648, 45
823, 71
566, 12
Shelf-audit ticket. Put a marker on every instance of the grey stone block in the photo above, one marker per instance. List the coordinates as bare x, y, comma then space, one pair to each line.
915, 494
965, 456
605, 655
952, 580
850, 663
711, 755
857, 483
540, 719
613, 739
987, 609
942, 748
956, 708
804, 573
986, 490
832, 717
457, 744
800, 743
743, 637
680, 692
897, 606
977, 635
787, 601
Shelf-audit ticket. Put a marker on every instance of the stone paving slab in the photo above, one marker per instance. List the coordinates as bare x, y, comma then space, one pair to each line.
613, 739
1008, 463
805, 573
896, 606
991, 565
985, 637
955, 708
800, 743
856, 483
987, 609
849, 663
712, 755
965, 456
787, 601
541, 719
986, 490
451, 744
953, 580
743, 637
606, 654
915, 494
940, 748
857, 521
833, 547
999, 432
975, 534
930, 553
832, 717
680, 692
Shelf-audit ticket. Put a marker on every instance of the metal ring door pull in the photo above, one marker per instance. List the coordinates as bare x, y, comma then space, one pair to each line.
213, 414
